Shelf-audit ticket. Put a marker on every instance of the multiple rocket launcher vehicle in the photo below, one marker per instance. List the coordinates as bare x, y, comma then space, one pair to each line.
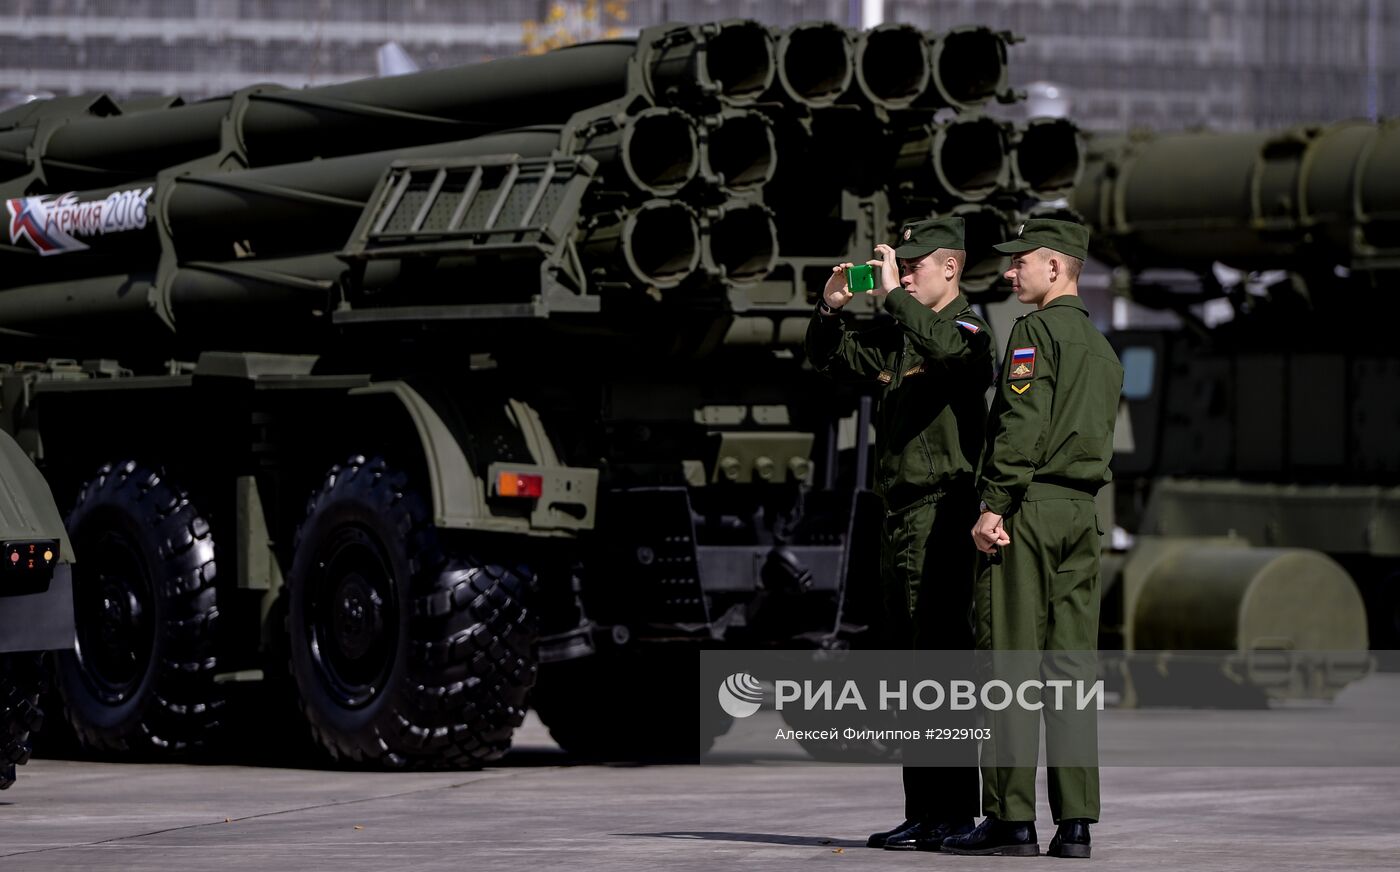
414, 402
1258, 462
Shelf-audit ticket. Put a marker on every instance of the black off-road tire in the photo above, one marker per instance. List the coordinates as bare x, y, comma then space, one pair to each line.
141, 678
20, 715
402, 655
638, 704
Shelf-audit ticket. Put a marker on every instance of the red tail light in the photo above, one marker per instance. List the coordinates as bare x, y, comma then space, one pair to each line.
519, 484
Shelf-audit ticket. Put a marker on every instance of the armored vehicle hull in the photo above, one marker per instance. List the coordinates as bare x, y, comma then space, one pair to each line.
36, 600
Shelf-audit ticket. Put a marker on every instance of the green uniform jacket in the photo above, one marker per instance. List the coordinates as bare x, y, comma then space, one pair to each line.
935, 368
1054, 408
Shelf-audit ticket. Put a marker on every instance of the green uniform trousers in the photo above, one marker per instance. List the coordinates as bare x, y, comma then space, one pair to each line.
1041, 593
927, 562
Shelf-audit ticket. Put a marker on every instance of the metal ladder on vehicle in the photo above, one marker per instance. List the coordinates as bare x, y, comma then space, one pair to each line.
463, 207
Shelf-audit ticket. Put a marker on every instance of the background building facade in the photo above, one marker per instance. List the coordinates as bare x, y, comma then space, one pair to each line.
1166, 64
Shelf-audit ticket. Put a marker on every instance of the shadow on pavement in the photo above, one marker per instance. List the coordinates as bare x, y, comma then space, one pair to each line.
289, 755
764, 838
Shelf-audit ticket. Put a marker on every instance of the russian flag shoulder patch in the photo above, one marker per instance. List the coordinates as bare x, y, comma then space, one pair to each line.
1022, 363
972, 328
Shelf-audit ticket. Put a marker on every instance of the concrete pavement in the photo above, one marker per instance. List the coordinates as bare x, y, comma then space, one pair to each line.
539, 808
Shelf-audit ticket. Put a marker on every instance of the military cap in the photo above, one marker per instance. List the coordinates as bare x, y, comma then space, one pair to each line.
1065, 237
925, 237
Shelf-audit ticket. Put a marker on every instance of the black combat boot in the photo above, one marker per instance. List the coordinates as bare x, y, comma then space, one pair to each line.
877, 840
993, 836
1071, 839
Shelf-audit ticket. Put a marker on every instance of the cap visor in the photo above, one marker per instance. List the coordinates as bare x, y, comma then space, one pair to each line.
911, 251
1016, 246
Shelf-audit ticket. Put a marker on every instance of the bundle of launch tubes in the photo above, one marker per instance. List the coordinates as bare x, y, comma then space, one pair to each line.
725, 161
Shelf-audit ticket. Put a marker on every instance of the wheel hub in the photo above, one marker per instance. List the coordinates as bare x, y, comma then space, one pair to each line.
112, 600
120, 611
351, 616
358, 618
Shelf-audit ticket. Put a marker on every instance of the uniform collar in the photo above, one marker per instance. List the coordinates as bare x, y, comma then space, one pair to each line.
1072, 300
956, 306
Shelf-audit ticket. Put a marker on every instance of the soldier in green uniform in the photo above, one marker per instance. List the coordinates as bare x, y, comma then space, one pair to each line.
1049, 442
933, 363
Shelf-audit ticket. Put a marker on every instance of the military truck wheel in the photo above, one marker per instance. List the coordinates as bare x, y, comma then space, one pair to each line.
20, 715
636, 704
141, 677
401, 654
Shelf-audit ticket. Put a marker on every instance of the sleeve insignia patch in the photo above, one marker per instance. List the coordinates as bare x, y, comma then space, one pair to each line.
971, 328
1021, 389
1022, 363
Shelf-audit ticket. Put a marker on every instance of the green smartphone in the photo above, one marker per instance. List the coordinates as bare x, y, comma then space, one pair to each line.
860, 278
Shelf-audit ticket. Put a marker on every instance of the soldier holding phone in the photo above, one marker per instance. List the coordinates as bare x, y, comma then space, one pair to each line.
932, 363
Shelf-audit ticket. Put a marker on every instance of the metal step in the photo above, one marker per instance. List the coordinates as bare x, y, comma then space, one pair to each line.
654, 556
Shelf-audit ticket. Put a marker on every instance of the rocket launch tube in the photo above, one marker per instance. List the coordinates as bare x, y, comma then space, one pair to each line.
313, 205
655, 150
1048, 158
891, 64
968, 65
306, 206
742, 242
274, 125
274, 211
740, 61
969, 158
815, 63
1301, 198
732, 60
278, 125
656, 244
966, 159
741, 151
